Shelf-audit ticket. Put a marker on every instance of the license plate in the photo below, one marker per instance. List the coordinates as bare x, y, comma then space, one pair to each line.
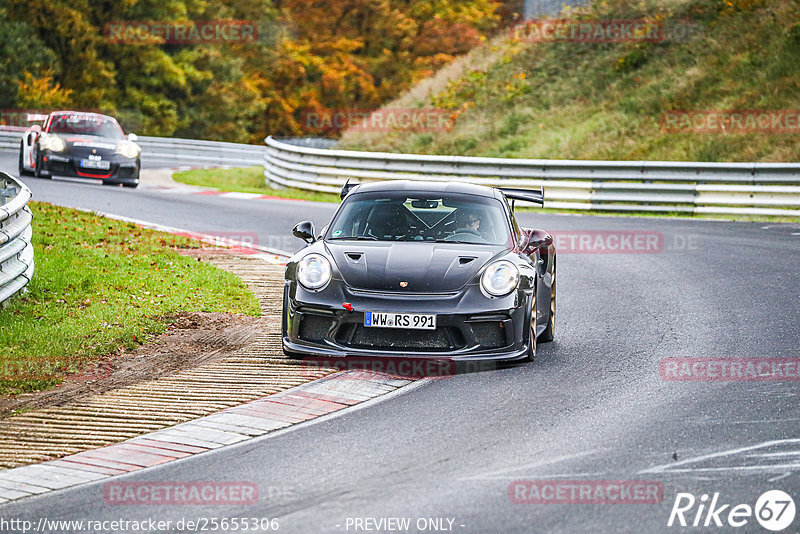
411, 321
95, 164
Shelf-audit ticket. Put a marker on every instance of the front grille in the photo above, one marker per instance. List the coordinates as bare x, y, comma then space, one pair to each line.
490, 334
391, 339
314, 327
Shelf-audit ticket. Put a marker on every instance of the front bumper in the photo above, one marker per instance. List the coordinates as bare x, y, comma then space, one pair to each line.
470, 325
120, 170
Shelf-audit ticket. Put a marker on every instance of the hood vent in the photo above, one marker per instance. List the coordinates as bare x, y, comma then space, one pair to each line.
465, 260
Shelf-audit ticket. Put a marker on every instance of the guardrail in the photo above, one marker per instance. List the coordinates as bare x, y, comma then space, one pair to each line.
637, 186
16, 251
156, 150
173, 152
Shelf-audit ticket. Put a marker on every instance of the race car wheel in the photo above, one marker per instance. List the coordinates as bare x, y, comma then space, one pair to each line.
132, 185
548, 333
22, 170
532, 335
37, 168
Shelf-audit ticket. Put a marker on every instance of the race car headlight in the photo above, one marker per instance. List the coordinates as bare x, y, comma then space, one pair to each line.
53, 143
314, 271
500, 278
127, 149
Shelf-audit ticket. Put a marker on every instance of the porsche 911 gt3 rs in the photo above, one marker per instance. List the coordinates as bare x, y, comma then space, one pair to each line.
80, 144
421, 270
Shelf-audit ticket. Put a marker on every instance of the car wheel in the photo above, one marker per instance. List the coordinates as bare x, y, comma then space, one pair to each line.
549, 332
37, 169
532, 335
132, 185
22, 171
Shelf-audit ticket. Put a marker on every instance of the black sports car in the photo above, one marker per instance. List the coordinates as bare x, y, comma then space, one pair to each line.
87, 145
425, 270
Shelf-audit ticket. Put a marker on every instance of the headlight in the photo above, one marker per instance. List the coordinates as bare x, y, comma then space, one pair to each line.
53, 143
314, 271
500, 278
128, 149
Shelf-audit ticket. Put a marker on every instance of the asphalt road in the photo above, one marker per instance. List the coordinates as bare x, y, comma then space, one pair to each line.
592, 407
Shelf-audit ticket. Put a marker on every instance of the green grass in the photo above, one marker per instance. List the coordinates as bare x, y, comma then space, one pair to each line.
102, 287
246, 180
606, 101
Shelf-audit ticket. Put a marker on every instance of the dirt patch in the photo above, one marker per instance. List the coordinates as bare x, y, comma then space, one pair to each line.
193, 339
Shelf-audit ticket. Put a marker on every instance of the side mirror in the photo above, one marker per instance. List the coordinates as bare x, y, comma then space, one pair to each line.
536, 239
305, 231
132, 137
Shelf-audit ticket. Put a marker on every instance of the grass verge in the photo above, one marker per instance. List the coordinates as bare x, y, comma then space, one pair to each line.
102, 287
609, 101
246, 180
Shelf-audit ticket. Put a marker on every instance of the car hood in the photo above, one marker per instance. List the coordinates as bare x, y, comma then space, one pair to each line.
88, 142
426, 267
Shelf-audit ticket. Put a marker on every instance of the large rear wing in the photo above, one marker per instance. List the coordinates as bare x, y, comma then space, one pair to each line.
526, 195
347, 188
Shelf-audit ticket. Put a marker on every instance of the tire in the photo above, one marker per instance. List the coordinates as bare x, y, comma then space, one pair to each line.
549, 332
37, 168
22, 171
132, 185
531, 354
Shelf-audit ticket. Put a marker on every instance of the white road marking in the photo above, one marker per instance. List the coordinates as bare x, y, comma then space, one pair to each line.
532, 465
774, 454
673, 467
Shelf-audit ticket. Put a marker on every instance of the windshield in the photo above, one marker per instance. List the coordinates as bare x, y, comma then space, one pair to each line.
436, 217
86, 124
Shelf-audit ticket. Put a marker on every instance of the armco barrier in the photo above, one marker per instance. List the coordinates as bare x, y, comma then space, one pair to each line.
639, 186
174, 152
171, 152
16, 251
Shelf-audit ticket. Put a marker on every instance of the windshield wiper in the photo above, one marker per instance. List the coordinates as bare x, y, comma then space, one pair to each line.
356, 238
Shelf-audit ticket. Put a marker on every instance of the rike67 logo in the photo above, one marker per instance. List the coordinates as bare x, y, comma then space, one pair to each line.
774, 510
